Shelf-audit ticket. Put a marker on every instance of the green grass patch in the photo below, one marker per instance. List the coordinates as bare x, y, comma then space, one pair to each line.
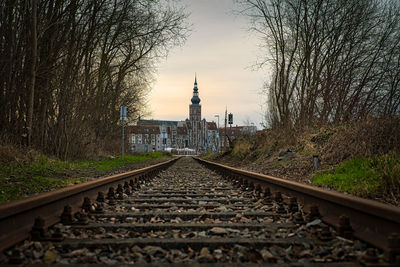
110, 163
18, 187
20, 179
363, 176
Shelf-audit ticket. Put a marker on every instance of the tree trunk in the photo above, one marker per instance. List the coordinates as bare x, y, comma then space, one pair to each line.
32, 72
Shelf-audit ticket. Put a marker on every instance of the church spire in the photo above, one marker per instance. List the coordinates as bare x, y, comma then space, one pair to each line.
195, 99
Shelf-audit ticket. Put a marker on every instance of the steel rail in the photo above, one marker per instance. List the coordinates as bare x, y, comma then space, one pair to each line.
373, 222
17, 217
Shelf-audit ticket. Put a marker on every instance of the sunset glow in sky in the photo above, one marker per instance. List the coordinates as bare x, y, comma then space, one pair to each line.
221, 50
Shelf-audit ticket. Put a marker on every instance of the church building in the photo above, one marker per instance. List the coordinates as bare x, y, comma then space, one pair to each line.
193, 134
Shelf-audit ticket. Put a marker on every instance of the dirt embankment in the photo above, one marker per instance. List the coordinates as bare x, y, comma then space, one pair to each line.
289, 154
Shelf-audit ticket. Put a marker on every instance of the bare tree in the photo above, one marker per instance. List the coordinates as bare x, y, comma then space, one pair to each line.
89, 57
32, 74
331, 60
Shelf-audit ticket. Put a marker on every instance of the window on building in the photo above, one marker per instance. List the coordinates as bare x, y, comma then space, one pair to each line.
133, 138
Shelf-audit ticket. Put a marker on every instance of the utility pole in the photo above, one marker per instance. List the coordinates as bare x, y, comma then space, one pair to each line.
226, 113
218, 143
230, 121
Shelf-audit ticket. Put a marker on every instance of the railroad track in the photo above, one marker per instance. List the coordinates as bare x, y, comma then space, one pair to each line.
189, 214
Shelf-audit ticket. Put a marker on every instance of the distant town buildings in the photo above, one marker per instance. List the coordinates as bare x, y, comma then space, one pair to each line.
191, 136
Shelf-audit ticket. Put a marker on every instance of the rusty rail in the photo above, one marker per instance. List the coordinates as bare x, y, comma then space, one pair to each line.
17, 217
373, 222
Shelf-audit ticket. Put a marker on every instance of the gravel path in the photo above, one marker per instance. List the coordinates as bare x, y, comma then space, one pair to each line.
188, 214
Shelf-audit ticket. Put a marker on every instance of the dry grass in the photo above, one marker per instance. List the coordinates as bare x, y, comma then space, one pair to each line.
242, 148
334, 144
370, 137
8, 154
12, 153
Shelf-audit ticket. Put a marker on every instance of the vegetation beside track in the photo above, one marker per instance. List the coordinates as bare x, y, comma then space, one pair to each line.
363, 176
360, 158
39, 173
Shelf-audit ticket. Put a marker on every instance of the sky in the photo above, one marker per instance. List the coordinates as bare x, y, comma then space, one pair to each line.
221, 51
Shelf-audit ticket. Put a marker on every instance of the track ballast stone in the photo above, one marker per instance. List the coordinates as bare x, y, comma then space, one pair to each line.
189, 214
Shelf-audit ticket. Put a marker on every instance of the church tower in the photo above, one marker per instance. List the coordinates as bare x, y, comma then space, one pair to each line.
195, 107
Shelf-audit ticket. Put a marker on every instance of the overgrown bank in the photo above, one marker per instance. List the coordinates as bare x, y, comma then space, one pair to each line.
360, 158
35, 173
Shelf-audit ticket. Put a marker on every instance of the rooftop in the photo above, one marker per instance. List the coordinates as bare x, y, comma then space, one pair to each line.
157, 123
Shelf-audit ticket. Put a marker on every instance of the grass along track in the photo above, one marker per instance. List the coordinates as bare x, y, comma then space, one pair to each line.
22, 178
